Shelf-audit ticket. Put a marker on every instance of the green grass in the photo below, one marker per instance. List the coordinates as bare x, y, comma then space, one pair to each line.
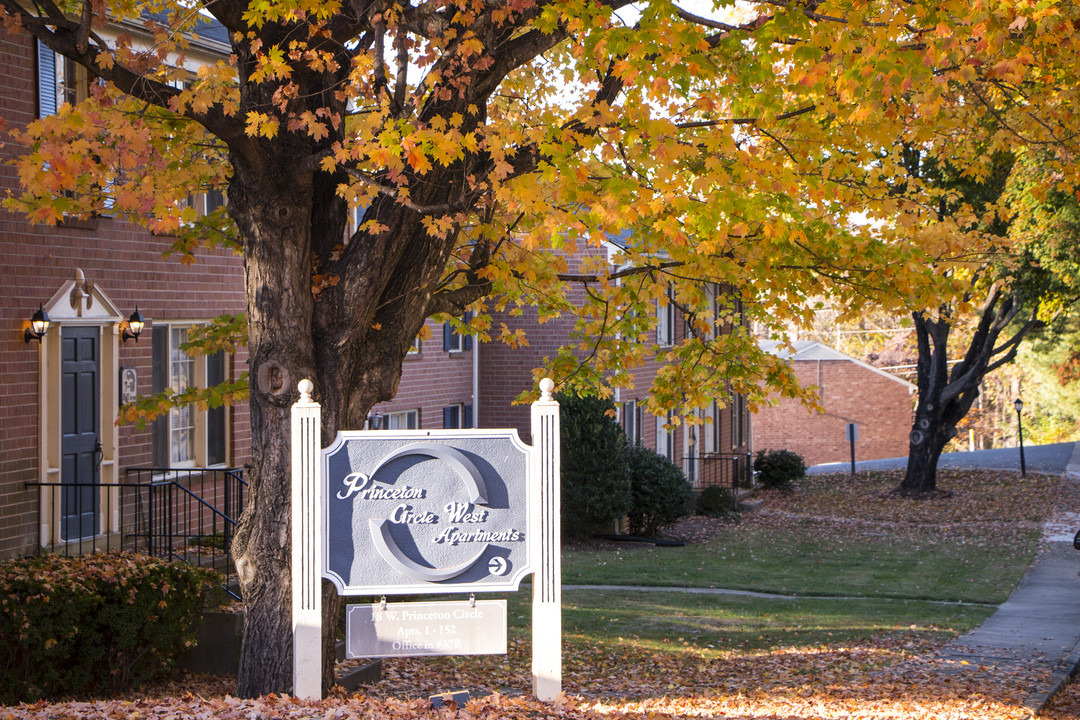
714, 624
838, 536
956, 565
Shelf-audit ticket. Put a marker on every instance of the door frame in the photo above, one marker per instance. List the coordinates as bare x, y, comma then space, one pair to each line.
78, 303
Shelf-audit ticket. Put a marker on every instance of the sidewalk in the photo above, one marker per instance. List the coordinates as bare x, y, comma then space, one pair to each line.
1035, 633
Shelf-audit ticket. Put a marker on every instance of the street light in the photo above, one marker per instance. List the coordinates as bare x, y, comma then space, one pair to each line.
1019, 405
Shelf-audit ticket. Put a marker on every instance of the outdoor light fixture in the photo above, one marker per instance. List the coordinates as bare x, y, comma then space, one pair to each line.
1019, 405
135, 325
39, 325
375, 421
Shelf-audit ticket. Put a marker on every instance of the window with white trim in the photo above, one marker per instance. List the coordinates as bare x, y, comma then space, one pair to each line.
665, 321
60, 80
186, 436
738, 411
665, 436
457, 416
632, 420
401, 420
710, 431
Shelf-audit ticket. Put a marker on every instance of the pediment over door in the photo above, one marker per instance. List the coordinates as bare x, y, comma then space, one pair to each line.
81, 300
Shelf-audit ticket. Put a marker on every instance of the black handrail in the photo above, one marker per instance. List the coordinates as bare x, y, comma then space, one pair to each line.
184, 514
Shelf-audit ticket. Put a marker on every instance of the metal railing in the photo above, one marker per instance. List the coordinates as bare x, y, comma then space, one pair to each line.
186, 514
733, 470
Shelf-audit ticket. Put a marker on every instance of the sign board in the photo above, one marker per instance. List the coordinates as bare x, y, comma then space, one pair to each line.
426, 628
427, 511
852, 432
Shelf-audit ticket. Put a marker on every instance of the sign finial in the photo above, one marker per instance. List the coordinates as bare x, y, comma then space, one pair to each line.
305, 387
546, 386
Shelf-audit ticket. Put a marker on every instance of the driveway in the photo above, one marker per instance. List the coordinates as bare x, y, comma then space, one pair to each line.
1053, 458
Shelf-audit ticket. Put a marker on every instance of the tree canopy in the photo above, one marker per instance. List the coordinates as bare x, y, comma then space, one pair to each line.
753, 147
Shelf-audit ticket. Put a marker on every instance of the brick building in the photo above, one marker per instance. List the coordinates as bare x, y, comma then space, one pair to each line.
65, 463
850, 391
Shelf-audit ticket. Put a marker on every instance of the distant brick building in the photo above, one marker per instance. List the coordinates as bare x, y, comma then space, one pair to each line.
850, 391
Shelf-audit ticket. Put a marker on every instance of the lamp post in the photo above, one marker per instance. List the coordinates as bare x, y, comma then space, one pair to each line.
1019, 405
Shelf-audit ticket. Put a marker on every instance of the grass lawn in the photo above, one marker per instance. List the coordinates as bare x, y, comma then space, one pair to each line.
835, 535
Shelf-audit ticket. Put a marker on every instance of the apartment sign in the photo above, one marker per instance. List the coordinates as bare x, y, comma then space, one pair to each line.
427, 511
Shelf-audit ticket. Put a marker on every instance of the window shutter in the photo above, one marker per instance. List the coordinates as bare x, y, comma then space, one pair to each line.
447, 336
215, 417
46, 80
467, 345
159, 429
448, 417
468, 417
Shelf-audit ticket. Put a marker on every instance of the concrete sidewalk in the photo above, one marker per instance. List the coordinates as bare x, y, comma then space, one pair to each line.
1036, 632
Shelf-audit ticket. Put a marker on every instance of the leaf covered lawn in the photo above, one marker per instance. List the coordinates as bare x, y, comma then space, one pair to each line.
892, 676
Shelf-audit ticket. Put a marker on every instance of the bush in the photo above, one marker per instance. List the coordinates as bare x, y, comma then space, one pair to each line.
715, 501
660, 493
97, 623
777, 468
595, 484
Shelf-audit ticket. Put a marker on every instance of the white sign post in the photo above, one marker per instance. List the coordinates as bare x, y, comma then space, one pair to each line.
307, 544
427, 512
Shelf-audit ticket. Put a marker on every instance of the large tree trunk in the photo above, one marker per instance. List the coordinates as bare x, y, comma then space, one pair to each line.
271, 205
946, 396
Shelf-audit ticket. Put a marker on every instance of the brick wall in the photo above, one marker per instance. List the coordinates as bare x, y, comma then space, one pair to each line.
849, 392
127, 264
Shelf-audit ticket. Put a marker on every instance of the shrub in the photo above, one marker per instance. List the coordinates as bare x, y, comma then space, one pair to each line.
777, 468
595, 484
660, 493
715, 501
96, 623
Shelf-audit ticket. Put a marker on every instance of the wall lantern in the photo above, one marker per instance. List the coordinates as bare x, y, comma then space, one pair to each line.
39, 325
135, 325
375, 421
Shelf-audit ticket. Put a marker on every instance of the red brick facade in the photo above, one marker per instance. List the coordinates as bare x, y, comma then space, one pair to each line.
126, 265
850, 392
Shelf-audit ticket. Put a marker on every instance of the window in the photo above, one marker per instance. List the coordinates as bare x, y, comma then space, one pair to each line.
454, 342
417, 346
738, 411
186, 436
632, 421
665, 321
403, 420
665, 437
456, 417
710, 431
60, 80
182, 419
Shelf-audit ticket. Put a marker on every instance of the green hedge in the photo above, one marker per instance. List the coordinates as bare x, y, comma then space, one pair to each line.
93, 624
660, 493
778, 468
595, 483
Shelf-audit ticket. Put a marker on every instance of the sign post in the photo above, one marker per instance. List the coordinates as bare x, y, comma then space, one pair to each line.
423, 512
307, 544
852, 436
547, 581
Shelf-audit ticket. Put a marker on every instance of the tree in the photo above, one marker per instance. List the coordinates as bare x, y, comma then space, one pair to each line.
947, 394
1038, 270
479, 141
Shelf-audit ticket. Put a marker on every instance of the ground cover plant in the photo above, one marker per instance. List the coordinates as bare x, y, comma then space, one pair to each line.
660, 654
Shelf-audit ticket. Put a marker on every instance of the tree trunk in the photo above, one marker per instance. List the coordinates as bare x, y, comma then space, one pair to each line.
271, 205
946, 396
